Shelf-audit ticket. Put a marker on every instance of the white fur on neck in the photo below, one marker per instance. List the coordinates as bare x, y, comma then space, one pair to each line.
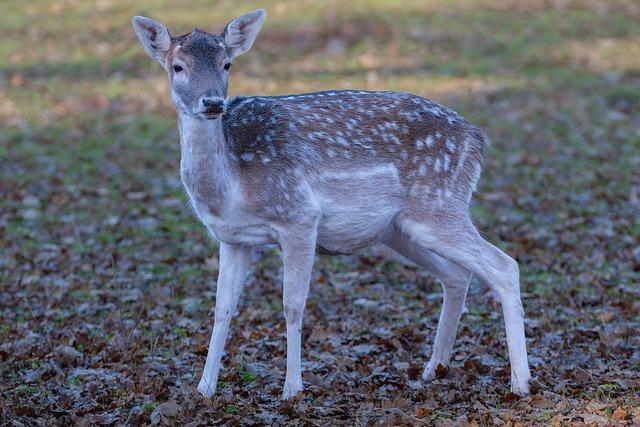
204, 141
206, 166
211, 179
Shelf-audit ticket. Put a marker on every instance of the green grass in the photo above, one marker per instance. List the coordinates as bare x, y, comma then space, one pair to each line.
149, 406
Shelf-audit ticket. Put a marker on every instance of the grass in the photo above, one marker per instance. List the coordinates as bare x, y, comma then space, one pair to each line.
99, 251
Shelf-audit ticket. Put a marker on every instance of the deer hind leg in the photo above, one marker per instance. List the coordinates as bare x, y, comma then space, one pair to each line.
456, 239
234, 263
455, 283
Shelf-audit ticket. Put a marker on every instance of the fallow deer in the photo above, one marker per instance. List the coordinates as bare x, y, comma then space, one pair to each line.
336, 171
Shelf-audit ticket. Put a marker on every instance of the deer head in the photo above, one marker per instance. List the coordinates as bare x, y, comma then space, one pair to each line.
198, 63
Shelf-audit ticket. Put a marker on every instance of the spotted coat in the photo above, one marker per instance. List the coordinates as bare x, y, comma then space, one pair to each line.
431, 152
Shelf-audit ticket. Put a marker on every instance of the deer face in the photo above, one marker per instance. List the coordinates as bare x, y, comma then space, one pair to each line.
198, 63
198, 67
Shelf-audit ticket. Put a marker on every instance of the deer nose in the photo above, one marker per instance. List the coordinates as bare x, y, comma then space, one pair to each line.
213, 105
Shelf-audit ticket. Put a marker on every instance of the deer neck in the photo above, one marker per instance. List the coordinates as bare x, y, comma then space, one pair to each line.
206, 167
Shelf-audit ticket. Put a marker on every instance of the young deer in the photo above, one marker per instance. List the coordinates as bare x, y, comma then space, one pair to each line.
337, 171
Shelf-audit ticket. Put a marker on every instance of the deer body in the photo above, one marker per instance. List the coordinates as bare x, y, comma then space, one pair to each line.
279, 161
338, 171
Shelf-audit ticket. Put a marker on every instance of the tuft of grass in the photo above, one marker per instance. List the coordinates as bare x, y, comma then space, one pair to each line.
149, 406
245, 376
231, 409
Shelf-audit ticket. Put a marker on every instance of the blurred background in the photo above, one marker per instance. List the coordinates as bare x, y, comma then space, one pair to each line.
107, 280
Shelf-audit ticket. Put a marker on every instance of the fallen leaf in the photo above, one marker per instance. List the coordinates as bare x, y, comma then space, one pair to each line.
619, 414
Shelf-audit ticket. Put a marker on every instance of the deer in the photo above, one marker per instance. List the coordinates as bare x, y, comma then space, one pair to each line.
328, 172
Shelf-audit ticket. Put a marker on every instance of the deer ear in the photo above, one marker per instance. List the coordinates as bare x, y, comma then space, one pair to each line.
240, 33
153, 36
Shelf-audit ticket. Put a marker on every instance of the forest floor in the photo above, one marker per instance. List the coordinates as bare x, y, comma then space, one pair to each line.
108, 281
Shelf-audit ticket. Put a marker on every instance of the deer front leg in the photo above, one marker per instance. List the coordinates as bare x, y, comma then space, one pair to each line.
297, 256
234, 263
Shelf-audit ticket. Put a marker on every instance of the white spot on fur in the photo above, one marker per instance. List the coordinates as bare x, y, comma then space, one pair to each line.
413, 191
429, 141
341, 141
451, 146
476, 177
389, 137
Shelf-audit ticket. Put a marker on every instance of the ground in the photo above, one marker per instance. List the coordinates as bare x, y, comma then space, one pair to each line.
108, 281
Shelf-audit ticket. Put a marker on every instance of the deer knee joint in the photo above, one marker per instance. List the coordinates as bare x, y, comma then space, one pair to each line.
293, 312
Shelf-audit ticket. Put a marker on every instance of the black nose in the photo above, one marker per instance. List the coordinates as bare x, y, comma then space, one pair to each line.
213, 105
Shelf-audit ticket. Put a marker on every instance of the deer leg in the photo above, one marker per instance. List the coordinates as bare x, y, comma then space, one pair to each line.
455, 283
234, 263
459, 242
297, 255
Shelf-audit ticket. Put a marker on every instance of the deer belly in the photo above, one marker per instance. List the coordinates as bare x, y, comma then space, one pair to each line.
345, 233
357, 210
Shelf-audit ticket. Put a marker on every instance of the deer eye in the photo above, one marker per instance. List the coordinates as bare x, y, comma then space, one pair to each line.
177, 68
227, 66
